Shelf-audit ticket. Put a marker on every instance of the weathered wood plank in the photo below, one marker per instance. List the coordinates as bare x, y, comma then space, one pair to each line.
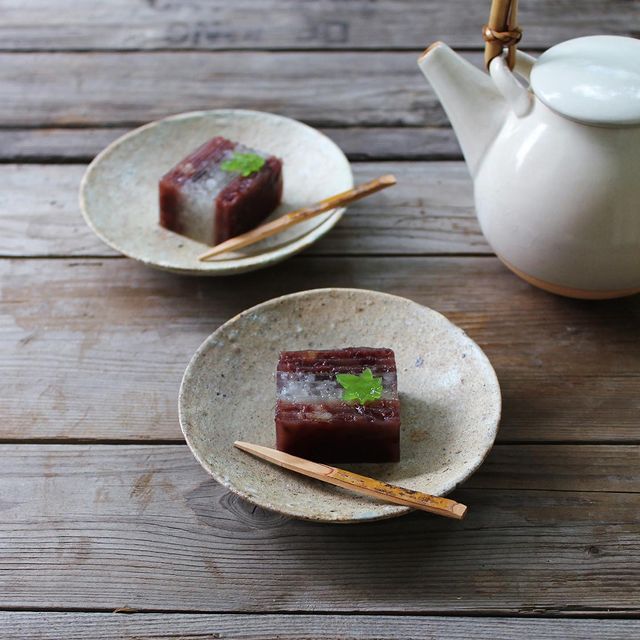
152, 626
560, 468
292, 24
96, 348
144, 527
396, 143
55, 145
322, 88
429, 211
39, 213
359, 143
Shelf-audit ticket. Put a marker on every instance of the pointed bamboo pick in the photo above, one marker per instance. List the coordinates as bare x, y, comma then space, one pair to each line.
296, 217
357, 483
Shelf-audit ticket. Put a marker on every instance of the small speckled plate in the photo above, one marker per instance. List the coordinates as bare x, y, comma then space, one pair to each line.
119, 191
449, 398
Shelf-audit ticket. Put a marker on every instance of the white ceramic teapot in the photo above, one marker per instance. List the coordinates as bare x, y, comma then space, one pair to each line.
555, 159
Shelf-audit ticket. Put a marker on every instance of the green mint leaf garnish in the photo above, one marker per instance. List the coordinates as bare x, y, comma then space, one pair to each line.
361, 389
243, 163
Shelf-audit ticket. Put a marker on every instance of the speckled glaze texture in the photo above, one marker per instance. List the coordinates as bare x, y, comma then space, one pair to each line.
119, 191
449, 394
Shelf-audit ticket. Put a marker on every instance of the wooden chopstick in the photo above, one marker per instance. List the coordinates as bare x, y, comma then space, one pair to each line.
357, 483
298, 216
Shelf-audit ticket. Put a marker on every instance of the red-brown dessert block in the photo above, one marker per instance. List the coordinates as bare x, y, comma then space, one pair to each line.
203, 201
314, 421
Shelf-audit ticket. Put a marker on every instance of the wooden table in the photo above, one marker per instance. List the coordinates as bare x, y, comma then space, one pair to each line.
103, 510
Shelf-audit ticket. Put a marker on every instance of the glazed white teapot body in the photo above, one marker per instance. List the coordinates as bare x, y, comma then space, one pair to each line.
555, 164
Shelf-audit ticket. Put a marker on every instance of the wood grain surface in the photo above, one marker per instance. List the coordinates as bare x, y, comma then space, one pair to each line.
144, 527
102, 507
429, 211
96, 348
291, 24
150, 626
359, 143
87, 89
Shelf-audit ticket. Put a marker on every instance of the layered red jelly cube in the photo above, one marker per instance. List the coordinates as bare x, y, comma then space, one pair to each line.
202, 200
314, 418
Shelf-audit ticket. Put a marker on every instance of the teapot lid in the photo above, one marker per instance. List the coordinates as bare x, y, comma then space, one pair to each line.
595, 79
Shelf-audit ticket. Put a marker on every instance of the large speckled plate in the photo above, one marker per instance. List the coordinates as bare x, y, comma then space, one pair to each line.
119, 191
449, 398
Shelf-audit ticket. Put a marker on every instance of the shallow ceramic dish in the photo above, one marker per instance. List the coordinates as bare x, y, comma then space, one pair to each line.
119, 191
449, 395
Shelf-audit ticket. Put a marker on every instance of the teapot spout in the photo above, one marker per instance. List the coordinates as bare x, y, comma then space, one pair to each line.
474, 105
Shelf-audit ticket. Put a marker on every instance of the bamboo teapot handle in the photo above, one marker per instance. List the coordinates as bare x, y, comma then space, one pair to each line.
502, 32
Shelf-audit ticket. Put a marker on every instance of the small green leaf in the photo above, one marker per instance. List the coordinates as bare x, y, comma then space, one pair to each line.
243, 163
361, 389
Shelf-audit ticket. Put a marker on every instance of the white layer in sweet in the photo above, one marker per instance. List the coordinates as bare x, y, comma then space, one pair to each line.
308, 388
198, 197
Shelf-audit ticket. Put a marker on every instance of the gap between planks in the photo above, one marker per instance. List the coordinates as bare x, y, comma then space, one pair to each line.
78, 145
568, 612
404, 49
324, 254
179, 441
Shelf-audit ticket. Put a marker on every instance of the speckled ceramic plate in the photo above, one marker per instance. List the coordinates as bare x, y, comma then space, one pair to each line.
119, 192
449, 398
